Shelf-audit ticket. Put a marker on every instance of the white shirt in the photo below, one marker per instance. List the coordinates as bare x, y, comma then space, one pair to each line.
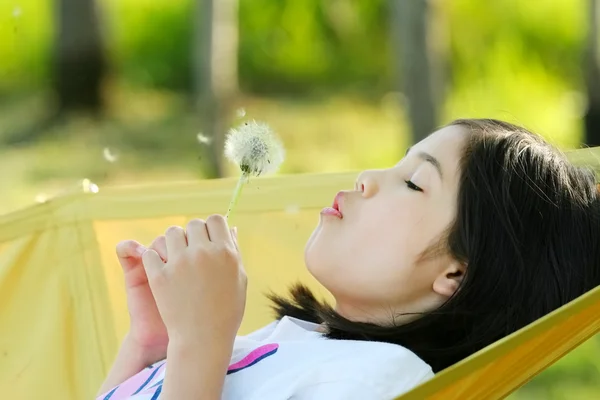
288, 359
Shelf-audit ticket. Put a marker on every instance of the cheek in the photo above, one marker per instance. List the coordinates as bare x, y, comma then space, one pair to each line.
369, 254
372, 252
382, 249
388, 230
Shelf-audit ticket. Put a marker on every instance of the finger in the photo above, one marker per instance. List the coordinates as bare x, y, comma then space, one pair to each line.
218, 230
176, 240
160, 246
152, 263
235, 237
129, 248
196, 232
129, 253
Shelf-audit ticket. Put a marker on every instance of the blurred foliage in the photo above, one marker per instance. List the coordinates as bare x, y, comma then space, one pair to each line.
508, 58
320, 72
143, 35
306, 46
25, 48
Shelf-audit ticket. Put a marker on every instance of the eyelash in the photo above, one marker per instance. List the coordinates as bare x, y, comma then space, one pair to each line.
412, 186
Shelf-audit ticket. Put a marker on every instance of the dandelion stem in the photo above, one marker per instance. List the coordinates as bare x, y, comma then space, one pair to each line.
236, 193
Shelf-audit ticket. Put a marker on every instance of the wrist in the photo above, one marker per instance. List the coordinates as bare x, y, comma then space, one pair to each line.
217, 348
197, 367
212, 333
144, 355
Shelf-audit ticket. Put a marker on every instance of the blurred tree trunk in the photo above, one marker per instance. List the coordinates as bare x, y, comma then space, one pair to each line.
414, 64
592, 78
215, 72
438, 33
79, 57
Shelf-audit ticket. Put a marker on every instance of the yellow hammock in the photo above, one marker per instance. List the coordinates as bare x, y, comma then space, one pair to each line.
62, 304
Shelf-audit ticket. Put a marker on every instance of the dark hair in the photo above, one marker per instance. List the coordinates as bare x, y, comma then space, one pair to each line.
527, 228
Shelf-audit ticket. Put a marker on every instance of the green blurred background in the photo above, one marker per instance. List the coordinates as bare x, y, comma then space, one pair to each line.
121, 91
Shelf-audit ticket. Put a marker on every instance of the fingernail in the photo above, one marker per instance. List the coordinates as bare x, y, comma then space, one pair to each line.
234, 230
140, 250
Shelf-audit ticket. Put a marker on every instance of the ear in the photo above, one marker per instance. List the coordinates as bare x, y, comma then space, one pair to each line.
448, 282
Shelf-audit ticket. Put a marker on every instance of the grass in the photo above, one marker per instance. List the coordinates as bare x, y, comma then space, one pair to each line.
154, 140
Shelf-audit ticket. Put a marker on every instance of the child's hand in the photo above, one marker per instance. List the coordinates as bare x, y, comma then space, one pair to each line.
201, 290
147, 331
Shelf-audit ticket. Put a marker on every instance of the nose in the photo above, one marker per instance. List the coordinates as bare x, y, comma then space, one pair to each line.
367, 183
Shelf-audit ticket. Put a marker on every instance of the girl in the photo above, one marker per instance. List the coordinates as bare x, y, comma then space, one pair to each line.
479, 230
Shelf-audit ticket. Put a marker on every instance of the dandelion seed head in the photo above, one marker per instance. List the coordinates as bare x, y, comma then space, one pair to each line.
254, 147
241, 112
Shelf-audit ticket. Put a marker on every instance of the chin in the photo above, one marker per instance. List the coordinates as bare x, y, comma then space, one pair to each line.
319, 256
312, 242
310, 258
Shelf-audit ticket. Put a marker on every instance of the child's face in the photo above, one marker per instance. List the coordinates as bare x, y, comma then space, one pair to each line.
370, 258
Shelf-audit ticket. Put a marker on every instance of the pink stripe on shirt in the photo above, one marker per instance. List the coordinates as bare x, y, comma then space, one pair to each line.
137, 384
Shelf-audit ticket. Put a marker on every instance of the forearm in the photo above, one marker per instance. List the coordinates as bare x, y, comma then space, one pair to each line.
130, 360
196, 370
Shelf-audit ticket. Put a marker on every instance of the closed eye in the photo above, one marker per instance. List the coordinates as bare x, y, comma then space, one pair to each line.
412, 186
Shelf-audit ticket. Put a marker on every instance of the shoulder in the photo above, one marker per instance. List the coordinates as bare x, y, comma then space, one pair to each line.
319, 368
381, 356
374, 368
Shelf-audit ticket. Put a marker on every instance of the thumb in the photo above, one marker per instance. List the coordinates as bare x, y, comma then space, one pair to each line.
153, 264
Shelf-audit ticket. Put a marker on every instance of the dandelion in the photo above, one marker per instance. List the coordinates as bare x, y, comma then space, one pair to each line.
254, 147
241, 112
108, 155
203, 139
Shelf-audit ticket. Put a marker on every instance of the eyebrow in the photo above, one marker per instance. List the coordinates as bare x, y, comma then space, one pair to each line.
430, 159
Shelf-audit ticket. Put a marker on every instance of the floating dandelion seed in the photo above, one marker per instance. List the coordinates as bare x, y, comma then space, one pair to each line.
254, 147
203, 139
89, 186
16, 12
41, 198
292, 209
108, 155
241, 112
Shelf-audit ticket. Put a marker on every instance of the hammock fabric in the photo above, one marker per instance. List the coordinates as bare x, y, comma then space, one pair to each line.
63, 309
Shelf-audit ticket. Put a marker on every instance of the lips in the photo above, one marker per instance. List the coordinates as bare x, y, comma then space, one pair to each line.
338, 202
336, 209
